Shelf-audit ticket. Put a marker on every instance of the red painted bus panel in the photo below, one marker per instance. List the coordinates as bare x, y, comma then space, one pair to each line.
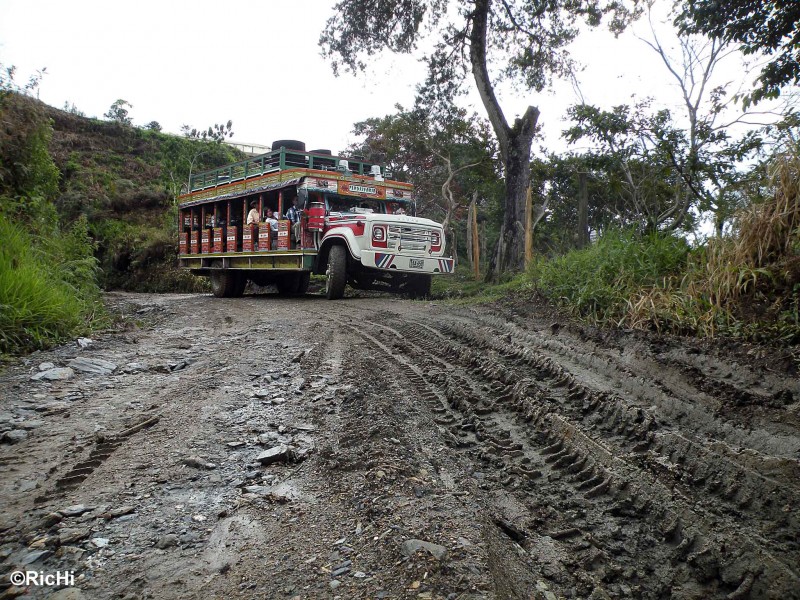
308, 238
264, 234
219, 239
249, 237
284, 239
230, 246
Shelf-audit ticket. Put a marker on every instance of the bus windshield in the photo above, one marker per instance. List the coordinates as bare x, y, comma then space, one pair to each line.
342, 204
350, 205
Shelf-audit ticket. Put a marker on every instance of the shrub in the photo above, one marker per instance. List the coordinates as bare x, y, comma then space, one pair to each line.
744, 285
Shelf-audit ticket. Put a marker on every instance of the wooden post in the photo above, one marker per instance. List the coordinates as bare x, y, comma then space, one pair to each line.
528, 227
473, 228
470, 250
583, 210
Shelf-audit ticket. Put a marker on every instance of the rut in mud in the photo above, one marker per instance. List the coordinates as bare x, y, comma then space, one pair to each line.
423, 451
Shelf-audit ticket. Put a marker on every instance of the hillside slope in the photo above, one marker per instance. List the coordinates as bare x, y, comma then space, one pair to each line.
125, 181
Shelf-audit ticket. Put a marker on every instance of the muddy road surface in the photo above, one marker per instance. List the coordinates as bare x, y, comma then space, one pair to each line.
384, 448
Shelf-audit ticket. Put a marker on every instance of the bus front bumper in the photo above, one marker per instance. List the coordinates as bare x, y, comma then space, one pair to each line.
405, 263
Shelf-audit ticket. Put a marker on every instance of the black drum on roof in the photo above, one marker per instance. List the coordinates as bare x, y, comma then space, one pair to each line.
289, 145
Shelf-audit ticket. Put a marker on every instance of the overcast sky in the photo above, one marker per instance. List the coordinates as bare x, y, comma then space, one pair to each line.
258, 64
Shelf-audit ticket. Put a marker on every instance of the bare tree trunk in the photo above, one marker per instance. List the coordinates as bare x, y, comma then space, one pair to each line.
450, 201
454, 246
528, 227
483, 245
515, 149
473, 239
470, 248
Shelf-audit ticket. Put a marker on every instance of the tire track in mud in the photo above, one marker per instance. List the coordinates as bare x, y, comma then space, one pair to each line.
103, 449
639, 508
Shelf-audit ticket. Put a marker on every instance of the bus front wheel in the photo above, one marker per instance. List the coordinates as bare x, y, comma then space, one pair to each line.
336, 273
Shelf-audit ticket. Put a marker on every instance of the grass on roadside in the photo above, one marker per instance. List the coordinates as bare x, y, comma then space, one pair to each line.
596, 283
462, 288
47, 288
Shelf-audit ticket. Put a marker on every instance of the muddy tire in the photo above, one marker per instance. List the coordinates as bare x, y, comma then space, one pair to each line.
336, 273
226, 284
419, 286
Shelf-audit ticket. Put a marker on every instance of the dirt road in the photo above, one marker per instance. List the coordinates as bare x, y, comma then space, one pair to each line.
384, 448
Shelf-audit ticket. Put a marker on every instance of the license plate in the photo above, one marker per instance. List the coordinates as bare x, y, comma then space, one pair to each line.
416, 263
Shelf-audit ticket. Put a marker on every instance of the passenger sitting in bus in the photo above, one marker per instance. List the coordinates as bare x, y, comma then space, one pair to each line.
272, 219
252, 216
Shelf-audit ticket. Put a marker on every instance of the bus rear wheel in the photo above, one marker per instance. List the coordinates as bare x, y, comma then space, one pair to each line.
336, 273
226, 284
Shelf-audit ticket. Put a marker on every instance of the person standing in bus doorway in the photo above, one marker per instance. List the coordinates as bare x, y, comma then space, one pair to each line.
252, 216
293, 214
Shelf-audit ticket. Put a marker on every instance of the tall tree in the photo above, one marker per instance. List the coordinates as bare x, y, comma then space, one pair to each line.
705, 153
771, 27
215, 133
523, 41
446, 158
637, 169
119, 113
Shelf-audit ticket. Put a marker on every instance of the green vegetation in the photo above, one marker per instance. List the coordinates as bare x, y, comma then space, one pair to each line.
84, 204
461, 287
125, 181
48, 288
744, 285
598, 281
117, 112
648, 182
